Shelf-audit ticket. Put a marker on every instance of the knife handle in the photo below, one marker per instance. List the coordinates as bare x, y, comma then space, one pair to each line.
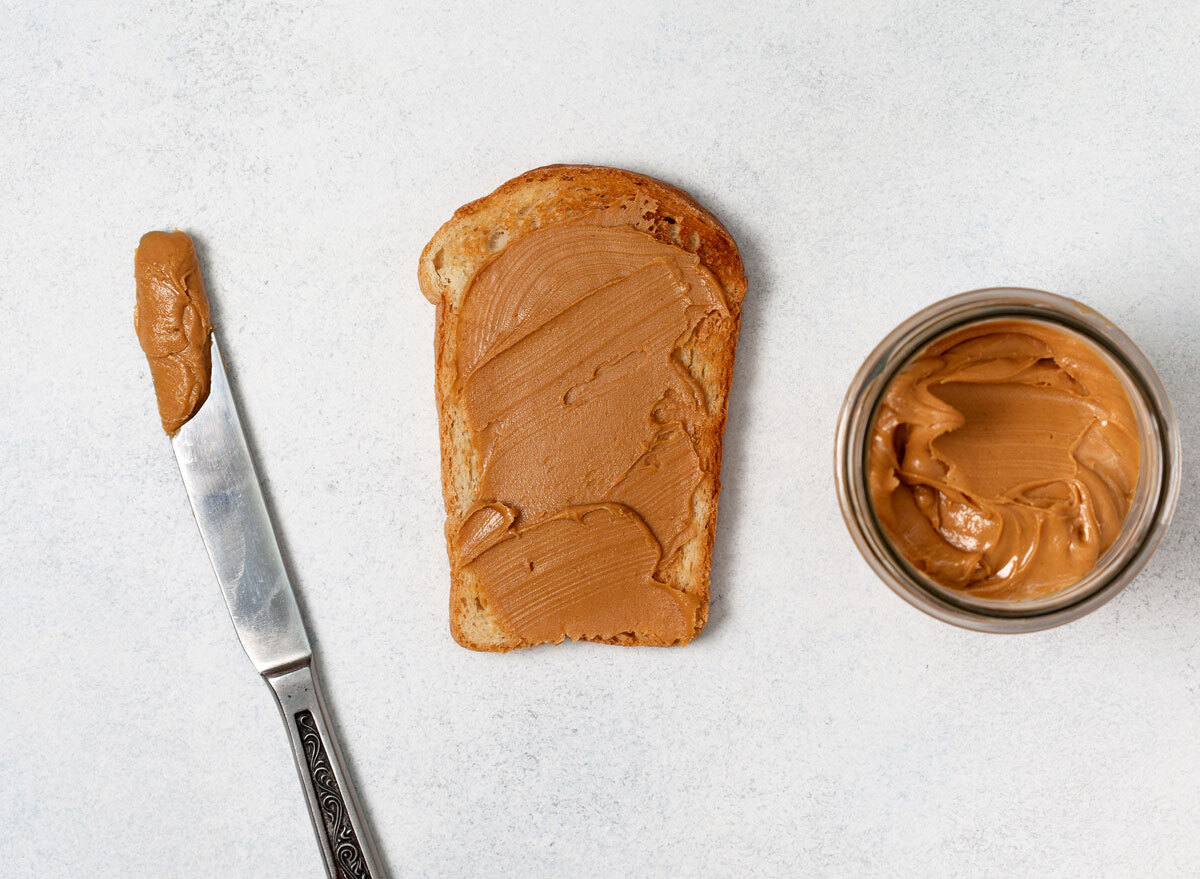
342, 833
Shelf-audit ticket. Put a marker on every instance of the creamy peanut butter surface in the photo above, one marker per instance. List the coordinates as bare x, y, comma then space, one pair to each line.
583, 416
172, 321
1004, 459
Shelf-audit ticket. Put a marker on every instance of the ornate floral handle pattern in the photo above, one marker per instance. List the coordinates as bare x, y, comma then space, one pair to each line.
341, 827
343, 840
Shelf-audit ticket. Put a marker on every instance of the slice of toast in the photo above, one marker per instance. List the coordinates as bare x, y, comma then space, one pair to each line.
467, 242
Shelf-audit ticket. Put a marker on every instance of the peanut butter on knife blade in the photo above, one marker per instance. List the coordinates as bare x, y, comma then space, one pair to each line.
173, 324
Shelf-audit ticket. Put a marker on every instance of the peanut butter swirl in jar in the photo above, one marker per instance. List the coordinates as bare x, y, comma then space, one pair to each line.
1007, 460
1003, 459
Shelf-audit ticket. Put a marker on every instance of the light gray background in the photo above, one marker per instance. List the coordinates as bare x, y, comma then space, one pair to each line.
868, 158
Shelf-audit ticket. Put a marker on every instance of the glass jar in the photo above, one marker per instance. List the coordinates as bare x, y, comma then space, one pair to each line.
1151, 507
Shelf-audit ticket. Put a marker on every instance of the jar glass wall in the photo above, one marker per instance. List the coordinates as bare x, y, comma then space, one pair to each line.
1151, 507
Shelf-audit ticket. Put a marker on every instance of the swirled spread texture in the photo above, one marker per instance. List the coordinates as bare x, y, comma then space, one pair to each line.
1003, 459
583, 417
173, 324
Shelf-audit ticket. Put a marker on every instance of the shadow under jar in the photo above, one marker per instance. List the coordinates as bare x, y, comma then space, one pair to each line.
1150, 507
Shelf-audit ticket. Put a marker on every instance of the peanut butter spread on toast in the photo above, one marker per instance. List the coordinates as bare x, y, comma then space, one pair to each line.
583, 419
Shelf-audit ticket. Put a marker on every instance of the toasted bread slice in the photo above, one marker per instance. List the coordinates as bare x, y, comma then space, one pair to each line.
481, 229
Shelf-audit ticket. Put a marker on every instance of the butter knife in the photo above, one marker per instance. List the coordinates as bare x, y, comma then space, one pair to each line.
228, 503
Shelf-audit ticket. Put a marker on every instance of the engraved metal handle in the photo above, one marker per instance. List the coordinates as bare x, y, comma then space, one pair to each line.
342, 832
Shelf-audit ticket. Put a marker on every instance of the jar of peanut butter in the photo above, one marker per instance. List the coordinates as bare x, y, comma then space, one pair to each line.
1007, 460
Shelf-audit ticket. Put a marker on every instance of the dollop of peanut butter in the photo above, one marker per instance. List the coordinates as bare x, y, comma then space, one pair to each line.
583, 418
173, 325
1004, 459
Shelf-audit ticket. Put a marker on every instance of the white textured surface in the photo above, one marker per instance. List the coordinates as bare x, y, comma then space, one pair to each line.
869, 159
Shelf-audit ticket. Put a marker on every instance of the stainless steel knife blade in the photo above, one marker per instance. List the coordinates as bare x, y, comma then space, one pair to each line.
223, 487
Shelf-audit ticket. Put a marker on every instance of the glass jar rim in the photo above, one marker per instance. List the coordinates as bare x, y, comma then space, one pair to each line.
912, 336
